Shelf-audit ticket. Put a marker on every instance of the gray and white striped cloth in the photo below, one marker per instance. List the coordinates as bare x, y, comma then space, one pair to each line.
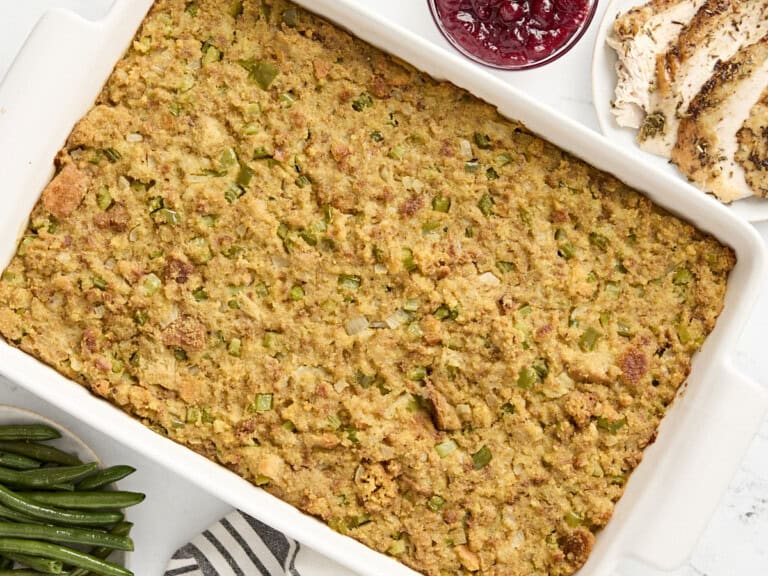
239, 545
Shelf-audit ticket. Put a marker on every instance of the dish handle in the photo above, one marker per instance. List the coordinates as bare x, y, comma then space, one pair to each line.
678, 509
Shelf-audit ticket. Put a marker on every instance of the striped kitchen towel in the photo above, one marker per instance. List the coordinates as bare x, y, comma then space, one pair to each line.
239, 545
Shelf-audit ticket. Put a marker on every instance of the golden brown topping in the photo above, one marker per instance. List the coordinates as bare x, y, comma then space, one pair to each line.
66, 191
187, 332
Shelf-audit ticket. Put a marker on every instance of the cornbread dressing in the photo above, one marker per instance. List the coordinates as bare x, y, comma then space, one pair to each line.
361, 289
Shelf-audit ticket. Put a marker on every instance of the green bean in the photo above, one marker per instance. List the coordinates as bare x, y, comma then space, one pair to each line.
63, 554
25, 572
66, 535
66, 517
107, 500
39, 452
45, 477
17, 462
28, 432
6, 563
105, 477
64, 487
44, 565
121, 529
11, 514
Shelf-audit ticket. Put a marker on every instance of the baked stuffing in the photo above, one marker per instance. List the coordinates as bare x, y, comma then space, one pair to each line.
362, 290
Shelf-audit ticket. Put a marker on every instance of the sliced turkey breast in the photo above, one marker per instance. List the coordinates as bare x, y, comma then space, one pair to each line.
639, 37
752, 154
718, 30
706, 144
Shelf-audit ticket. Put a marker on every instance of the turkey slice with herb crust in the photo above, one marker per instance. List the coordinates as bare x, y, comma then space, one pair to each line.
752, 154
717, 32
706, 143
639, 37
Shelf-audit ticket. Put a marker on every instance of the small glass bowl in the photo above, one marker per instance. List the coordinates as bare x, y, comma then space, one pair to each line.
529, 65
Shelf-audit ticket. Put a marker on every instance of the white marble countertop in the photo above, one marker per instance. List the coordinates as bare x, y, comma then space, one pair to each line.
736, 541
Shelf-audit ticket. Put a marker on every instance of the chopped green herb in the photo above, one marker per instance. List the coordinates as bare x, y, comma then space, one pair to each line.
397, 153
261, 72
611, 426
683, 333
289, 426
443, 312
211, 53
99, 283
483, 141
291, 16
303, 181
573, 519
141, 317
598, 240
397, 548
104, 198
491, 174
623, 329
349, 281
588, 339
507, 408
150, 284
566, 251
527, 378
417, 373
199, 294
482, 458
506, 267
233, 193
430, 227
485, 204
441, 204
261, 153
234, 347
262, 403
471, 166
362, 102
408, 262
503, 159
525, 310
244, 176
112, 155
296, 293
435, 503
682, 277
377, 136
180, 354
165, 216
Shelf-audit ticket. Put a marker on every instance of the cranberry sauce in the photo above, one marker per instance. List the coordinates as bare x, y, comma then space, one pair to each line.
512, 33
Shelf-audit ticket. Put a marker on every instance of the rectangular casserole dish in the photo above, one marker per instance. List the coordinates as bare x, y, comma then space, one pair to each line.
670, 496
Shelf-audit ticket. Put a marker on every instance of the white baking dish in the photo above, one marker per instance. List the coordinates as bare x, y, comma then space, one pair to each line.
669, 498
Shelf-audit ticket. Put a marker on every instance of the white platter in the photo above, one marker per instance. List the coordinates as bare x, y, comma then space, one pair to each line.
671, 495
603, 86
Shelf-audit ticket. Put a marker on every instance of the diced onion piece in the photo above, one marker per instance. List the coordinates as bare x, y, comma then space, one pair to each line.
397, 319
489, 279
134, 138
280, 262
356, 325
466, 149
